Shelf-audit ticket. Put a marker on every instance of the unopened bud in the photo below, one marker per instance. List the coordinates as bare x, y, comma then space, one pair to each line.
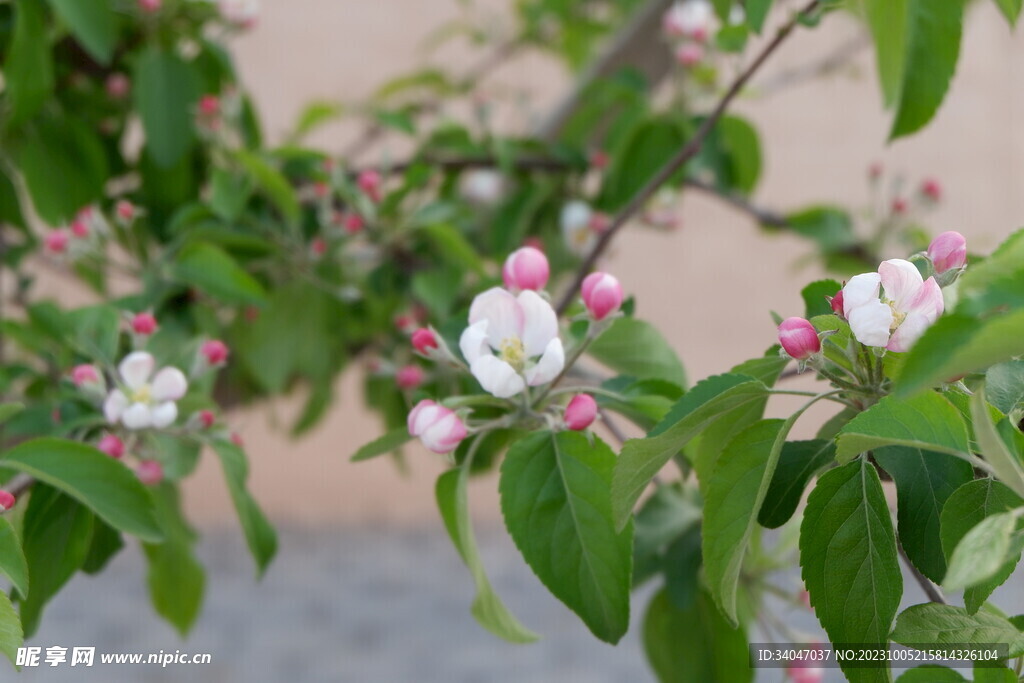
799, 338
150, 472
144, 323
948, 251
7, 500
111, 445
602, 295
580, 412
409, 377
526, 268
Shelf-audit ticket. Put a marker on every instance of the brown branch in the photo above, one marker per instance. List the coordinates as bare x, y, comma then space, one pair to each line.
761, 215
834, 61
929, 588
688, 151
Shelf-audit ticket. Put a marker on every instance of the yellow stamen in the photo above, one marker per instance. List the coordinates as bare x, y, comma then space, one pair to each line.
513, 353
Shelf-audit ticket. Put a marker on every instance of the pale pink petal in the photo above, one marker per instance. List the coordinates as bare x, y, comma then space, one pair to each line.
445, 434
924, 311
501, 311
549, 365
169, 385
902, 282
115, 405
136, 368
473, 342
928, 301
137, 416
422, 416
860, 290
870, 323
540, 323
164, 414
497, 377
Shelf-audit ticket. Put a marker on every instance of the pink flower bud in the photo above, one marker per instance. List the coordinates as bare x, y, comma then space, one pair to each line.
214, 351
602, 295
599, 159
931, 189
899, 206
111, 445
206, 418
150, 472
439, 428
875, 170
836, 302
689, 54
85, 374
56, 241
948, 251
423, 340
526, 268
318, 246
79, 228
144, 323
409, 377
799, 338
369, 183
7, 500
150, 5
353, 223
580, 412
535, 242
118, 85
406, 323
209, 105
125, 210
236, 439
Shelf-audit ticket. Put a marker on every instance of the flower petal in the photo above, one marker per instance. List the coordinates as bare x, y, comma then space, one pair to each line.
540, 323
422, 416
169, 385
473, 342
501, 311
137, 416
497, 377
164, 414
902, 282
115, 405
871, 322
860, 290
136, 368
925, 309
445, 434
549, 365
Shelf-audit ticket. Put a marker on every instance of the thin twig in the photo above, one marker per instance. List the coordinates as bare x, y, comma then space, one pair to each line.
688, 151
761, 215
834, 61
929, 588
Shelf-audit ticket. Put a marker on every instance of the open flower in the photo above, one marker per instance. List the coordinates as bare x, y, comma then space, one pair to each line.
512, 341
577, 232
145, 399
893, 307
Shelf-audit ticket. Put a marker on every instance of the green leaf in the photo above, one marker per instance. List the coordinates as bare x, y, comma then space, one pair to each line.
734, 496
798, 462
933, 47
936, 624
12, 558
388, 443
93, 24
694, 645
1005, 464
641, 459
555, 500
176, 579
644, 402
985, 673
105, 543
487, 607
9, 410
981, 552
757, 12
996, 283
451, 246
636, 348
928, 421
97, 331
213, 271
1004, 385
259, 535
670, 513
931, 673
924, 482
68, 149
1010, 9
969, 505
165, 90
958, 344
830, 227
273, 182
28, 70
814, 295
887, 20
849, 560
741, 149
11, 636
96, 480
649, 146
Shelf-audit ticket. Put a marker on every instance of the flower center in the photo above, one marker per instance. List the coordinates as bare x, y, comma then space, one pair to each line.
897, 316
142, 395
513, 353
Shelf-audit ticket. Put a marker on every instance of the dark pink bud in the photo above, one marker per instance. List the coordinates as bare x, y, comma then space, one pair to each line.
7, 500
948, 251
899, 206
125, 210
602, 295
111, 445
799, 338
836, 302
118, 85
144, 323
580, 412
206, 418
931, 189
405, 322
150, 5
209, 105
409, 377
85, 374
369, 182
214, 351
236, 439
318, 246
56, 241
526, 268
150, 472
353, 223
423, 340
79, 228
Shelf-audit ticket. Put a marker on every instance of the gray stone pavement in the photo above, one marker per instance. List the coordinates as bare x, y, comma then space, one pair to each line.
348, 605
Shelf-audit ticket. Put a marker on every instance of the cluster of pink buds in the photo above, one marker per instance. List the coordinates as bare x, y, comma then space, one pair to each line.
81, 235
688, 23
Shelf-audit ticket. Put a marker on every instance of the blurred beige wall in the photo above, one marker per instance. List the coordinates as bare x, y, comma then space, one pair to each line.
709, 286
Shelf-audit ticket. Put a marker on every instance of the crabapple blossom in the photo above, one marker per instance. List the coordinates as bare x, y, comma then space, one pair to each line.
948, 251
214, 352
512, 341
423, 340
799, 338
150, 472
112, 445
7, 500
56, 241
439, 428
893, 307
482, 186
576, 230
580, 412
602, 295
526, 268
689, 19
145, 399
409, 377
144, 323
